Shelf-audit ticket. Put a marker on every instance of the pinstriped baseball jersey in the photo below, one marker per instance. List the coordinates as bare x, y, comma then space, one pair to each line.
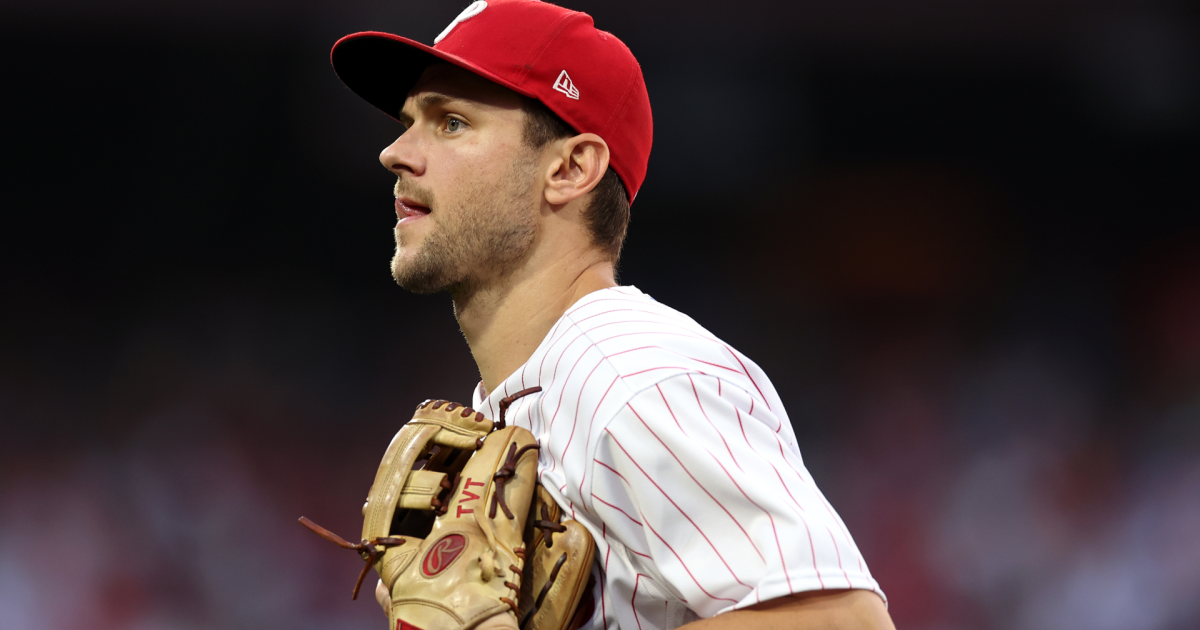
675, 451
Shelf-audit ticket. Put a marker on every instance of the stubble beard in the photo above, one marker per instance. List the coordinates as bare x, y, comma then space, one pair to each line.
483, 236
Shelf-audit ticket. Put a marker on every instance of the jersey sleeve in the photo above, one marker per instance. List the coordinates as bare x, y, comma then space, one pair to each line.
696, 479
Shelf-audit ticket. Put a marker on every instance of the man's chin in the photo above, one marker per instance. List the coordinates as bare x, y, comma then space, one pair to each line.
414, 279
418, 287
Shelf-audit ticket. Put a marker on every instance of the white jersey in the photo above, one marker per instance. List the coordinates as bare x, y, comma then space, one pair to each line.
675, 451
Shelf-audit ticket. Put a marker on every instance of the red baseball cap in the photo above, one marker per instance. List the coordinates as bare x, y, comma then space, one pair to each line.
557, 56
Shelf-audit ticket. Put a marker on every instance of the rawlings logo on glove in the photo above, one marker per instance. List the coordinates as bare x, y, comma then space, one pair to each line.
442, 554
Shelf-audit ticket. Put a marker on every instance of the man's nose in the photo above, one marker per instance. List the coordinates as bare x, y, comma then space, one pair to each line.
403, 155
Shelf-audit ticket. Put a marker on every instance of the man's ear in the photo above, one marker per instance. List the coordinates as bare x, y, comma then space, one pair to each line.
576, 168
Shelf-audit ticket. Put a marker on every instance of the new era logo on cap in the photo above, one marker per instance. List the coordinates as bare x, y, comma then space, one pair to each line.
565, 85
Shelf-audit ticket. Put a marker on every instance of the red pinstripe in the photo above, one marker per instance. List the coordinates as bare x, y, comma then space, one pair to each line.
783, 455
778, 440
583, 333
561, 355
676, 505
664, 367
747, 373
845, 532
670, 411
802, 517
635, 521
575, 420
689, 473
651, 332
588, 444
615, 310
563, 388
807, 530
673, 322
787, 489
615, 472
685, 567
828, 508
812, 548
692, 335
687, 333
664, 323
710, 422
849, 584
779, 546
743, 427
716, 365
838, 551
764, 511
542, 366
621, 310
570, 314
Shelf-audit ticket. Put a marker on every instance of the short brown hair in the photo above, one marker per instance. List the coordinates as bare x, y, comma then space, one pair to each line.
607, 215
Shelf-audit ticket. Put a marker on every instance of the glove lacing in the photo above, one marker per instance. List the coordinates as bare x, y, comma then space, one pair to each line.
367, 548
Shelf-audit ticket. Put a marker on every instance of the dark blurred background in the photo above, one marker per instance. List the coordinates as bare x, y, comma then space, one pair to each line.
962, 239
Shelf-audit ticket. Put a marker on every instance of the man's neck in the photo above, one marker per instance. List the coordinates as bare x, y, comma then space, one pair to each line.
505, 321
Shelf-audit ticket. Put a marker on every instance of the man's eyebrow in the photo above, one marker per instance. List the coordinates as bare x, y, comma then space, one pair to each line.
433, 99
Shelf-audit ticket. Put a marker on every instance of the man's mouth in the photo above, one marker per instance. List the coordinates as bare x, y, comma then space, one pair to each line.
408, 210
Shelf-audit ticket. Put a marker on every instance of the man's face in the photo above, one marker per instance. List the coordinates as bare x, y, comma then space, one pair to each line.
466, 190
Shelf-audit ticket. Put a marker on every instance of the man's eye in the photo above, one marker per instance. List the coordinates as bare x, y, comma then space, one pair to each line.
454, 124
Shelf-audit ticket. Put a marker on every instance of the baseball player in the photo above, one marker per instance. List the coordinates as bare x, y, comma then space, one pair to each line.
526, 137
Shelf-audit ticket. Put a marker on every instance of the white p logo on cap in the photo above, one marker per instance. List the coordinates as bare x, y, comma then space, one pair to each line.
476, 8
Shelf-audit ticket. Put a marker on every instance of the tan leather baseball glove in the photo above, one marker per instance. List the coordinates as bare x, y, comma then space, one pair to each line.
459, 531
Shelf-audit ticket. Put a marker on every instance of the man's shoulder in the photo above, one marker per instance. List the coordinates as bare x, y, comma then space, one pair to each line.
622, 310
641, 341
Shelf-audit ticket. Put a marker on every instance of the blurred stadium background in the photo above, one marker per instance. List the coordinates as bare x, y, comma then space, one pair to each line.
962, 238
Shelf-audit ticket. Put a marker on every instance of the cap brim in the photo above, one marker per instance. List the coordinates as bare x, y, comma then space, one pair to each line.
382, 68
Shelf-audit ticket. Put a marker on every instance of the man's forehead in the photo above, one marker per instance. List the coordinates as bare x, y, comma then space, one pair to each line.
444, 81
